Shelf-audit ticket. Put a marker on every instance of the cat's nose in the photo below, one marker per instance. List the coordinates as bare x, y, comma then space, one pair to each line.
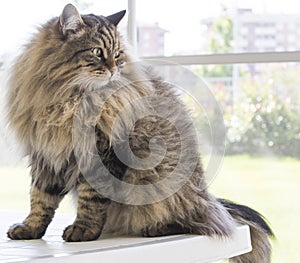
113, 70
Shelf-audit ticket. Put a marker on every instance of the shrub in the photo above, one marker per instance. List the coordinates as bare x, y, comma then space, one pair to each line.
263, 123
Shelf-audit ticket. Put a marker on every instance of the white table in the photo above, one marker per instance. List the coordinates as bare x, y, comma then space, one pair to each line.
175, 249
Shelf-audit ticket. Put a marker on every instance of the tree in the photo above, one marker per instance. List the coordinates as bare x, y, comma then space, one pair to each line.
220, 40
221, 36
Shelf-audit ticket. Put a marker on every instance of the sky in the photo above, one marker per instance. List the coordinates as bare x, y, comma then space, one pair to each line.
181, 18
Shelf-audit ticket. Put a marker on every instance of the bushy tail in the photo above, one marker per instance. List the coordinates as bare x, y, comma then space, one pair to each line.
260, 233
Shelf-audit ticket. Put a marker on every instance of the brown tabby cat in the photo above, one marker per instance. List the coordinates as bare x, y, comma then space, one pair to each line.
68, 92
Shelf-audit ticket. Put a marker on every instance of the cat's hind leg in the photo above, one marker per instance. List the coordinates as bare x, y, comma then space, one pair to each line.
160, 229
198, 215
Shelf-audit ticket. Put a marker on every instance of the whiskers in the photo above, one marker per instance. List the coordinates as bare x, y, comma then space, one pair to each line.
88, 81
92, 81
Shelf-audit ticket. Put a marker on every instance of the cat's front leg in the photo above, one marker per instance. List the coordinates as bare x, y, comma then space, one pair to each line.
47, 190
91, 215
43, 206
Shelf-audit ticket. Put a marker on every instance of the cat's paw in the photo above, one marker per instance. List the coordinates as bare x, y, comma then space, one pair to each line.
160, 229
152, 231
23, 231
77, 233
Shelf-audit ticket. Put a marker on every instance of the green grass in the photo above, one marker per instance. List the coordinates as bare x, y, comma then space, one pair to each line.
271, 186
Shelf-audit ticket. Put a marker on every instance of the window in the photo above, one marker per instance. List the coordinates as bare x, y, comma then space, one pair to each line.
191, 28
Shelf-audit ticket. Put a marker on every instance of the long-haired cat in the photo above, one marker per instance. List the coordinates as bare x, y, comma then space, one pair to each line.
135, 171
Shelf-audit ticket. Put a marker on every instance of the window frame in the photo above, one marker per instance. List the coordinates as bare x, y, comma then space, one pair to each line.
206, 59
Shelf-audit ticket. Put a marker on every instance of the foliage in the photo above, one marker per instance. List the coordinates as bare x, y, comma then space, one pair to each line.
263, 123
220, 40
221, 35
261, 115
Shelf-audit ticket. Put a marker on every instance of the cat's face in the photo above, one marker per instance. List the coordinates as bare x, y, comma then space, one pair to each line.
91, 47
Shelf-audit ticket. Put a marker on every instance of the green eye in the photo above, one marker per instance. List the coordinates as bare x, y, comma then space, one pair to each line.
117, 54
97, 51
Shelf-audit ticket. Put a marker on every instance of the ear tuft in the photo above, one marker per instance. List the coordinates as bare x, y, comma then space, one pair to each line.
70, 19
116, 18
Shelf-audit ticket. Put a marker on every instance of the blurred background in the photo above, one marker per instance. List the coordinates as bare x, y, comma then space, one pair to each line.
260, 101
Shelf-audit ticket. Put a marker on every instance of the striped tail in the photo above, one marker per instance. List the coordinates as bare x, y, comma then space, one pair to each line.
260, 233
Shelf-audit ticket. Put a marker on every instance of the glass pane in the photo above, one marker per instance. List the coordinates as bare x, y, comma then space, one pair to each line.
189, 27
261, 106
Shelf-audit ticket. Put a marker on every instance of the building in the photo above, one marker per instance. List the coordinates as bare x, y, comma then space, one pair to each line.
266, 32
151, 40
262, 32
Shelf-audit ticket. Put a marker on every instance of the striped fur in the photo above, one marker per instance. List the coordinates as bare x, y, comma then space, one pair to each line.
76, 74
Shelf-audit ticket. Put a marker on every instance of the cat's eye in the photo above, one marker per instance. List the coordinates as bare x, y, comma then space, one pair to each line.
117, 54
97, 51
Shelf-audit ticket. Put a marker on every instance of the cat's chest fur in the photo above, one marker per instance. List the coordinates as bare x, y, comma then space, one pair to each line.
52, 132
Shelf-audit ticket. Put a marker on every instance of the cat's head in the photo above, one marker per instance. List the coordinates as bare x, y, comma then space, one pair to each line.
92, 43
73, 47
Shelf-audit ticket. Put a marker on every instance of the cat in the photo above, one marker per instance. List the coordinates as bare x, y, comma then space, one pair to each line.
66, 100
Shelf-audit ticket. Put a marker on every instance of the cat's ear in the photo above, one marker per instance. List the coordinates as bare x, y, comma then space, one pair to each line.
70, 19
116, 18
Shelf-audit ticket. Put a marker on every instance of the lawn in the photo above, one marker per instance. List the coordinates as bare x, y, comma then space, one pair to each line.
270, 185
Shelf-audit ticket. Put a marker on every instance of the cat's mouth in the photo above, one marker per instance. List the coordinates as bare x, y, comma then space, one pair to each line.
96, 80
107, 74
